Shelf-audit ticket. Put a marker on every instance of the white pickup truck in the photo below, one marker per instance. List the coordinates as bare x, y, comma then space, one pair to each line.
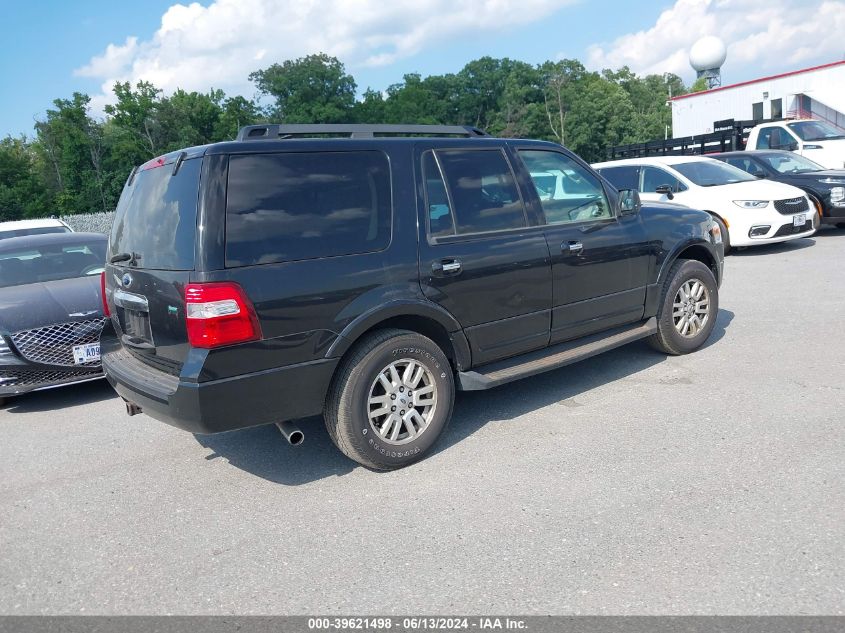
816, 140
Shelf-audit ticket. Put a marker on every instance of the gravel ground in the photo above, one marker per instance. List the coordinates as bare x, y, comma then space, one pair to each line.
631, 483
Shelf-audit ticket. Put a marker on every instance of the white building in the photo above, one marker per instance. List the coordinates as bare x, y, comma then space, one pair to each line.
817, 93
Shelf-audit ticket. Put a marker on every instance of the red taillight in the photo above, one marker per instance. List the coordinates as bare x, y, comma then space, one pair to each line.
106, 311
218, 314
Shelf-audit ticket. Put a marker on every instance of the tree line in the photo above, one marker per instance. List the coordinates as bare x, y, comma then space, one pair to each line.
75, 163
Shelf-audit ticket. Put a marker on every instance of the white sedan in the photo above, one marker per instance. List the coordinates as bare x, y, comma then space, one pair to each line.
749, 211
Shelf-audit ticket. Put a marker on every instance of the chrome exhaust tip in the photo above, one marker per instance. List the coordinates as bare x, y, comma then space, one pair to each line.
291, 432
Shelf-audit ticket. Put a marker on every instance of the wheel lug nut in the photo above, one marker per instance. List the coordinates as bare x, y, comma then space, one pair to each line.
393, 396
402, 412
401, 389
393, 408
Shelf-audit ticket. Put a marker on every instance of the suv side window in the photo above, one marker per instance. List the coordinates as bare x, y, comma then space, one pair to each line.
567, 191
482, 191
653, 177
627, 177
305, 205
440, 222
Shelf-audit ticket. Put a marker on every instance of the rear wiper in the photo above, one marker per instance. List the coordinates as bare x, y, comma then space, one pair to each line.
125, 257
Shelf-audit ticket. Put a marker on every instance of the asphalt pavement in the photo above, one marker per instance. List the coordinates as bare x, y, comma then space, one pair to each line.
631, 483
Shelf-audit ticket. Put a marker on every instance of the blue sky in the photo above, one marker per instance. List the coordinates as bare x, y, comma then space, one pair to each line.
62, 47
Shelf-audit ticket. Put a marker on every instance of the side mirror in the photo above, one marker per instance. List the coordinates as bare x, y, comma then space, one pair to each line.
629, 202
665, 190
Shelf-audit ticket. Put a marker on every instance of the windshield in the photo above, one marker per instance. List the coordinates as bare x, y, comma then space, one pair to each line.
42, 230
156, 219
789, 163
50, 262
814, 130
711, 173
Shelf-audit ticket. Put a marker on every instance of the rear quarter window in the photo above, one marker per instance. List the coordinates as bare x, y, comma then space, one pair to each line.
306, 205
625, 177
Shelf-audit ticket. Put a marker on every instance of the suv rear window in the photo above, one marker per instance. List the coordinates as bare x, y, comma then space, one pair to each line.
156, 218
305, 205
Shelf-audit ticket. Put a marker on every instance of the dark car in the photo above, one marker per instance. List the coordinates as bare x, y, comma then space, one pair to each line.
368, 275
826, 187
51, 311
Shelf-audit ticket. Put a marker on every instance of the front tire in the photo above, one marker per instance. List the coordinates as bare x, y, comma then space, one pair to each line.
390, 400
688, 308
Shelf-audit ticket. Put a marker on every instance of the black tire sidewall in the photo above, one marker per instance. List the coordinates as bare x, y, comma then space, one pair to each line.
687, 270
420, 349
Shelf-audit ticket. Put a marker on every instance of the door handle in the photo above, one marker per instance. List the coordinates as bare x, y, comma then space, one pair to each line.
447, 267
572, 247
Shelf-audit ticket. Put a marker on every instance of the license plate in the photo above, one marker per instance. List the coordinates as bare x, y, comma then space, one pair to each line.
136, 325
86, 353
799, 220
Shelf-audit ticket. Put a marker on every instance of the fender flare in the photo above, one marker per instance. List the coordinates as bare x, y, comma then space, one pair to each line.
403, 308
674, 254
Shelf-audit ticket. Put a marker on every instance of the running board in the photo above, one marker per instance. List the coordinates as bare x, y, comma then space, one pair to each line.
501, 372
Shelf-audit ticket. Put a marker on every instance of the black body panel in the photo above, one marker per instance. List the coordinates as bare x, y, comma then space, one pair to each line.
513, 289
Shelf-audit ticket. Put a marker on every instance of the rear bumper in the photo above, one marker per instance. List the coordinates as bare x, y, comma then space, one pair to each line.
215, 406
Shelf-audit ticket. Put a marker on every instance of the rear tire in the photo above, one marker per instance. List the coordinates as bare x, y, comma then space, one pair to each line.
840, 225
688, 308
2, 402
386, 371
726, 236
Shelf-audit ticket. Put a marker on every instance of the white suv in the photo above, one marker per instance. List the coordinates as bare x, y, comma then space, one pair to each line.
749, 211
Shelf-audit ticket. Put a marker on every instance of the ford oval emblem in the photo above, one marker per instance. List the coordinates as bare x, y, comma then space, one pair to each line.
126, 280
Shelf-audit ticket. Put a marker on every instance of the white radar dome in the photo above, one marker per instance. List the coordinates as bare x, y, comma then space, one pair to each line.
708, 53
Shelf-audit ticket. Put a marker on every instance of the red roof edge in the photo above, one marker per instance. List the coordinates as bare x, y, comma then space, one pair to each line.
755, 81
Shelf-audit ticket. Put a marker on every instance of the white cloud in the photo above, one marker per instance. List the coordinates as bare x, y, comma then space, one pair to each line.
761, 37
200, 47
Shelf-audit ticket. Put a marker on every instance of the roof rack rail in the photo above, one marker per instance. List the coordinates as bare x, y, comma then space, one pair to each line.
276, 131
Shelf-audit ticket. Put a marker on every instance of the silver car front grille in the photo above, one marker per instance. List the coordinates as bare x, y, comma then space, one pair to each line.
53, 345
28, 379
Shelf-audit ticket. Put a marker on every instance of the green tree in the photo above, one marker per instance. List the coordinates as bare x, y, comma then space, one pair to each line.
72, 146
22, 191
236, 113
135, 117
312, 89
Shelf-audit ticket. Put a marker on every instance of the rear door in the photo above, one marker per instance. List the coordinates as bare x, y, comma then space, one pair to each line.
481, 256
150, 260
599, 262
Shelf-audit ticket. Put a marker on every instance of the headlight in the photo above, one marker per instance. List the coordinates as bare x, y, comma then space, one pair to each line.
837, 196
751, 204
833, 181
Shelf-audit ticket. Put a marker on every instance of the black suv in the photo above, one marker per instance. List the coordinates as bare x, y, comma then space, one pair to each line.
367, 272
